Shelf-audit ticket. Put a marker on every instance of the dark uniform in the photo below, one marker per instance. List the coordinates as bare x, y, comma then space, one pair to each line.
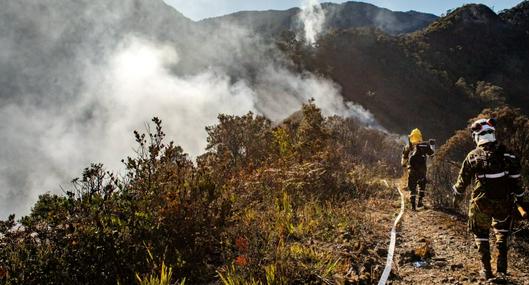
414, 158
497, 181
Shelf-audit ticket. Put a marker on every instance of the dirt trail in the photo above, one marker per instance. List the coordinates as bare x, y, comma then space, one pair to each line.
448, 249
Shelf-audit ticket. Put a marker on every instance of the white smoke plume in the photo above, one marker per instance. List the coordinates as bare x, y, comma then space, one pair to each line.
84, 109
312, 18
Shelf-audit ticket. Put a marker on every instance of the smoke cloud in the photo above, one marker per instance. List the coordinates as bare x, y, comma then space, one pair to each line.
76, 99
312, 18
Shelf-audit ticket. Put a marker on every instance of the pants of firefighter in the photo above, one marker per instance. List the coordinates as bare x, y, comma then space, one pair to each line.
416, 179
484, 215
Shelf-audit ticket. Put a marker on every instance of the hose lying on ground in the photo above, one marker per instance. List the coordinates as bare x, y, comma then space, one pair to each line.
393, 240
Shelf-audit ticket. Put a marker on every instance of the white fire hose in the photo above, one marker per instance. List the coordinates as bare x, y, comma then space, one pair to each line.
391, 251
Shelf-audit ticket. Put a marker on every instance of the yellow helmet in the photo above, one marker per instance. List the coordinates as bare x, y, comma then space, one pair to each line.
415, 136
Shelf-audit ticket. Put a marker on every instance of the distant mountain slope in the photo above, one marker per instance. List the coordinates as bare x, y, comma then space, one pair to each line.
434, 78
379, 73
358, 14
518, 16
473, 44
267, 23
338, 16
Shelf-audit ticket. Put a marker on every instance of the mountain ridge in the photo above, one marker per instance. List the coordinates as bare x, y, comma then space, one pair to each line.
345, 15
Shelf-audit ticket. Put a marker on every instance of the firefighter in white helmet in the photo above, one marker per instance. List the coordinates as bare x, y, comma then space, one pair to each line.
497, 183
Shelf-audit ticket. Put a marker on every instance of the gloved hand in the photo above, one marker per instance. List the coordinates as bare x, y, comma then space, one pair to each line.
456, 200
432, 144
457, 197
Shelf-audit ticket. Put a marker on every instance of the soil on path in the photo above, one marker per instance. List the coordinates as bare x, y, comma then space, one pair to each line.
448, 252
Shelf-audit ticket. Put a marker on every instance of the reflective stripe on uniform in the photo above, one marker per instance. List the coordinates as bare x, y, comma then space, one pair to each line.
509, 155
493, 175
519, 195
501, 231
515, 176
504, 220
482, 239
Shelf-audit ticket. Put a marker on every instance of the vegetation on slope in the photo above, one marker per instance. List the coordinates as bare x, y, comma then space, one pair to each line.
438, 77
276, 205
380, 73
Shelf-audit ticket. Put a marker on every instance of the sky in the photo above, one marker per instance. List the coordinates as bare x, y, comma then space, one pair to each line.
200, 9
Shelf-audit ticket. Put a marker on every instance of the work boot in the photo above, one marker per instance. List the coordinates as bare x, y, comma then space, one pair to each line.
484, 252
486, 274
501, 262
412, 201
501, 278
419, 203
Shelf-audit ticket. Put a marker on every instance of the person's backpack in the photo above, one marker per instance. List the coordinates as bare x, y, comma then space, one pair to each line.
418, 155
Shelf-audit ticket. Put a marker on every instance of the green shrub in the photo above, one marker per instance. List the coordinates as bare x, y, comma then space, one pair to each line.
264, 204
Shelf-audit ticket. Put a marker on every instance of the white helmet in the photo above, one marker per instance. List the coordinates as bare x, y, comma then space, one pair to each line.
483, 131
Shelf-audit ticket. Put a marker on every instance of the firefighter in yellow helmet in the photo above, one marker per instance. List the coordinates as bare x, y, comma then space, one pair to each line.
414, 158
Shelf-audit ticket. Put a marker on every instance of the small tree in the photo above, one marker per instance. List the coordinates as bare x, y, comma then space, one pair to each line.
311, 135
238, 142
